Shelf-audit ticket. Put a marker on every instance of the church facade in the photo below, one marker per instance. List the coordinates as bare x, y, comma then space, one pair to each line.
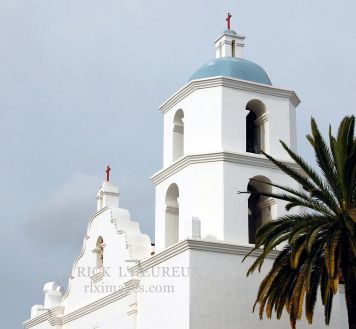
214, 130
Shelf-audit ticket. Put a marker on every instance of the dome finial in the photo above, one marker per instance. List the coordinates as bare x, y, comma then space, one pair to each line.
228, 20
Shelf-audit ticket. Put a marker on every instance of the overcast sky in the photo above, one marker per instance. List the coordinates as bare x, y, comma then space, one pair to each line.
80, 84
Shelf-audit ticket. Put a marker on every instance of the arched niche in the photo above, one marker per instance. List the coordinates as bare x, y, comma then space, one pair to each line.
261, 209
172, 215
256, 127
178, 135
99, 252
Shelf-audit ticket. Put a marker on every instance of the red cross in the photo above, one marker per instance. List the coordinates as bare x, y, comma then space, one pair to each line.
228, 20
107, 173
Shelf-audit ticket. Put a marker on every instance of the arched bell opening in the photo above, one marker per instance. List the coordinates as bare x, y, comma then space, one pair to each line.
256, 127
261, 209
178, 135
172, 215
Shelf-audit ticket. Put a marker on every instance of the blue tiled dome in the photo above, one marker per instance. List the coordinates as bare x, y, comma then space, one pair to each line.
233, 67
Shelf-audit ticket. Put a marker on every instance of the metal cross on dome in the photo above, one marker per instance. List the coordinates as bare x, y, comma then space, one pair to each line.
228, 20
107, 173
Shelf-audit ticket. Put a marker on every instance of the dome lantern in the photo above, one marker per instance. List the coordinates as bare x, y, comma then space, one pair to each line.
229, 44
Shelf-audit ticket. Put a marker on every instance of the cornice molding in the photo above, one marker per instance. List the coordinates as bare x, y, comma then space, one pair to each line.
235, 36
55, 317
221, 81
102, 193
131, 284
37, 320
246, 159
51, 315
193, 244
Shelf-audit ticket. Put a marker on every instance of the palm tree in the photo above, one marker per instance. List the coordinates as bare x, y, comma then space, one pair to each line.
319, 242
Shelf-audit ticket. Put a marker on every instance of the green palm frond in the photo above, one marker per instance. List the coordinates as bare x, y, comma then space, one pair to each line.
325, 160
319, 243
322, 190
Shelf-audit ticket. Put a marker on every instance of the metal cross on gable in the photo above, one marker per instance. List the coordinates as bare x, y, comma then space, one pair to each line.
107, 173
228, 19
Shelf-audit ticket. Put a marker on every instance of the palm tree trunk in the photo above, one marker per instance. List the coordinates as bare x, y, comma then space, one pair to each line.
350, 290
350, 294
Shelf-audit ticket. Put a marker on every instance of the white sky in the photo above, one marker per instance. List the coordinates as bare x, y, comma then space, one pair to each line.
80, 84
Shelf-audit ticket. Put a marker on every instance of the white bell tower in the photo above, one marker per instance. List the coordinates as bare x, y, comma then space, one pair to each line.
214, 130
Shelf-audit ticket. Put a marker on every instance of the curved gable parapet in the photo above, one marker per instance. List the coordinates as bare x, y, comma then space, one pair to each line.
138, 244
122, 245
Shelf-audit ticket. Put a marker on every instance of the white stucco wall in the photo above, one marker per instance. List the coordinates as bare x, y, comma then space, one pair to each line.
108, 317
198, 196
167, 304
202, 124
220, 294
216, 294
